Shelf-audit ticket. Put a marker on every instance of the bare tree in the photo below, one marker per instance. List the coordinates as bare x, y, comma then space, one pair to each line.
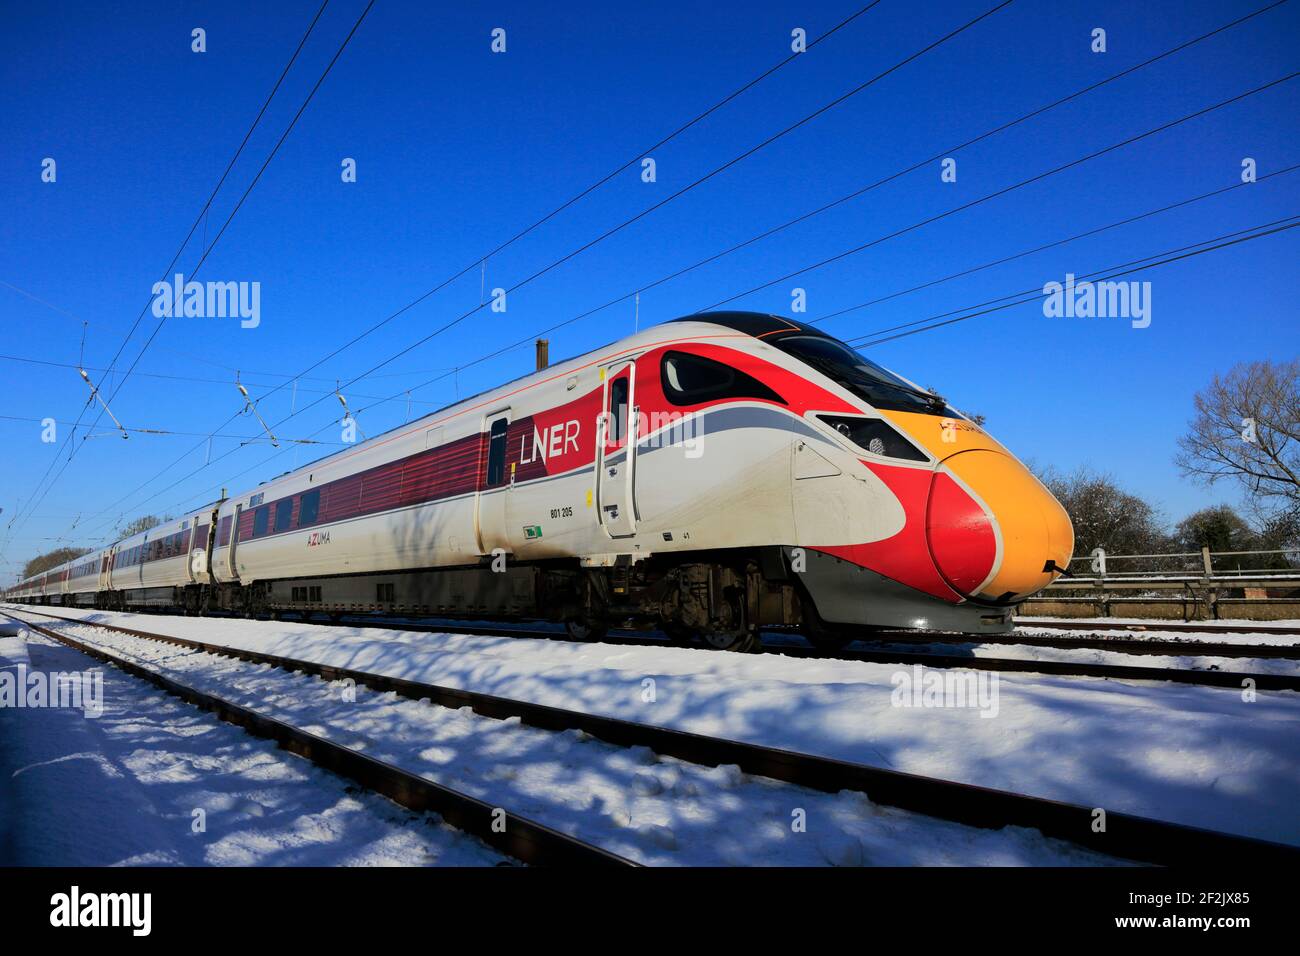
1221, 528
51, 559
142, 523
1247, 428
1104, 515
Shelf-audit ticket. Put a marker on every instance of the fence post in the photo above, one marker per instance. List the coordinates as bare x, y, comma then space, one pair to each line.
1100, 605
1211, 592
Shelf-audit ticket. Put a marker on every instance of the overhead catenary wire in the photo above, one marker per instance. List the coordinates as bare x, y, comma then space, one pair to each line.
256, 178
701, 180
481, 261
1275, 227
1149, 262
544, 219
1006, 189
861, 247
179, 251
624, 224
906, 229
951, 150
190, 379
207, 251
165, 432
1051, 245
202, 212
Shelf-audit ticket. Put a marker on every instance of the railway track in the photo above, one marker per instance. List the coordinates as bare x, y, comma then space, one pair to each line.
1210, 678
1176, 675
885, 651
1190, 627
1116, 644
1126, 836
1124, 645
514, 835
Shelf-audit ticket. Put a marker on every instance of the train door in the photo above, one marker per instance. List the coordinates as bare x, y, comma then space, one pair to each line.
202, 546
195, 553
616, 441
232, 575
493, 486
106, 570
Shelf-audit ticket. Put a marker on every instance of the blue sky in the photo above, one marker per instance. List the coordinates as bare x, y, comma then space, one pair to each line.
458, 148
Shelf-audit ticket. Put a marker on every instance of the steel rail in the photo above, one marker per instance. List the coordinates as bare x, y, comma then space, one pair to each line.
1190, 627
1124, 835
1206, 678
1118, 645
507, 832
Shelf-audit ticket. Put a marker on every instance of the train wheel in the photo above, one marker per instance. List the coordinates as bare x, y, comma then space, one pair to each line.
581, 630
743, 642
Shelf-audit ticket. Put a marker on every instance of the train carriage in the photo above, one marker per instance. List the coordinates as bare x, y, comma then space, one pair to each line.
707, 476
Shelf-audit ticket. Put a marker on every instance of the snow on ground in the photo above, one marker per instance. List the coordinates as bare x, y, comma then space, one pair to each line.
1195, 755
122, 788
659, 811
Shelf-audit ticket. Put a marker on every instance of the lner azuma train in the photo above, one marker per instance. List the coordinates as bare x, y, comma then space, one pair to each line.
707, 476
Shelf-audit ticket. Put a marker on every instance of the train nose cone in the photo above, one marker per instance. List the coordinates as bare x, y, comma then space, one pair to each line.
993, 529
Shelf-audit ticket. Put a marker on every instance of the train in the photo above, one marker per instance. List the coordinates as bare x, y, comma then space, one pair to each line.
708, 477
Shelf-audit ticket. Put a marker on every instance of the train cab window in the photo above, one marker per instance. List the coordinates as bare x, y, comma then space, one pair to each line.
308, 508
861, 376
617, 411
693, 379
260, 518
875, 436
283, 514
496, 468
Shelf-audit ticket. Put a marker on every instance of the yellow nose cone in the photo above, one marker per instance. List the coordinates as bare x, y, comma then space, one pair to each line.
1034, 532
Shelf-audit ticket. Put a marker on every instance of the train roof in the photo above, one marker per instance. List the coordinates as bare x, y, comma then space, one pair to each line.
760, 325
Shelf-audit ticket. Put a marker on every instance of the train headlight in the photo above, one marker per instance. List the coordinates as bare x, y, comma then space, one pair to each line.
875, 436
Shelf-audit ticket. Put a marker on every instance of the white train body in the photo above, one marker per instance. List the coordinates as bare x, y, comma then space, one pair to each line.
711, 474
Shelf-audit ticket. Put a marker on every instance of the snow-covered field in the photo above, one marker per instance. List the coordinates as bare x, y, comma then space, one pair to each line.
124, 788
657, 811
1196, 755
